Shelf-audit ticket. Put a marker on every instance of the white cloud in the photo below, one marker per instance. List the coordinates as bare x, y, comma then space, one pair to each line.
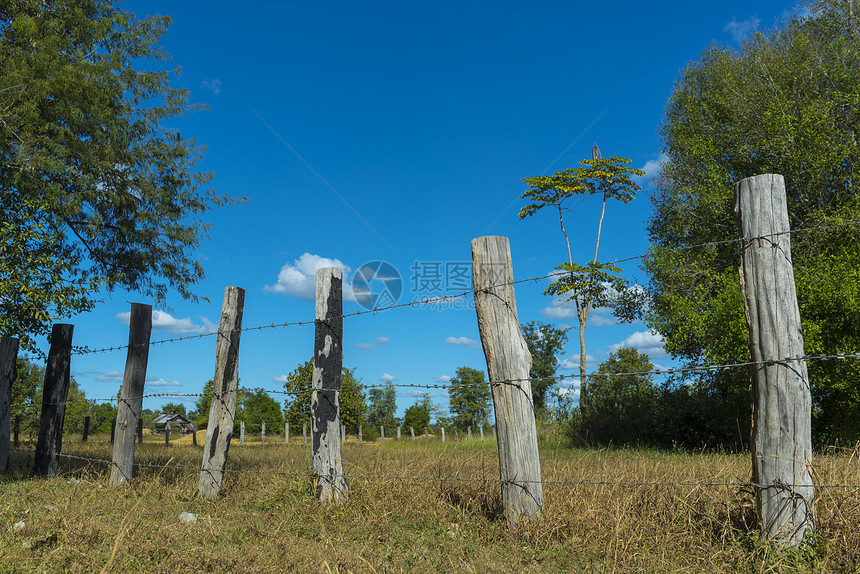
281, 379
572, 362
212, 84
566, 309
443, 379
464, 341
110, 377
167, 322
740, 30
299, 278
646, 342
380, 341
386, 378
652, 167
159, 382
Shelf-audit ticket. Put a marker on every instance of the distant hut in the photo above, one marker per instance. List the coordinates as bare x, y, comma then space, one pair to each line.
176, 422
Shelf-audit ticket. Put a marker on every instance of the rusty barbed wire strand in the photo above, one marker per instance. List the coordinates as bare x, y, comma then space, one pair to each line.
583, 482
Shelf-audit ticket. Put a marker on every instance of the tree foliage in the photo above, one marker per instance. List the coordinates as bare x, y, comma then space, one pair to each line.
545, 342
95, 191
469, 397
785, 102
297, 405
593, 284
383, 406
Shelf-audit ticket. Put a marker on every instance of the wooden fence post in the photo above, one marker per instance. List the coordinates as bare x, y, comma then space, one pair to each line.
194, 433
112, 430
469, 433
139, 431
456, 435
426, 433
8, 357
359, 434
482, 433
241, 433
508, 364
131, 393
342, 435
54, 393
398, 432
412, 432
327, 465
443, 434
263, 433
86, 434
381, 434
167, 433
782, 405
222, 411
304, 433
286, 433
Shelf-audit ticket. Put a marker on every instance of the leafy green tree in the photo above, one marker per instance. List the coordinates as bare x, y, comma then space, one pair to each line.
297, 406
469, 397
27, 394
383, 406
784, 102
95, 191
174, 409
593, 284
258, 407
204, 402
418, 415
101, 415
623, 404
545, 342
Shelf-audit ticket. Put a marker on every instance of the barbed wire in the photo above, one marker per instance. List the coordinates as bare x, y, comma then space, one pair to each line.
515, 381
583, 482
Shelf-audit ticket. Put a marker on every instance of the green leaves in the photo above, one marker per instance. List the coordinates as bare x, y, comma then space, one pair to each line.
593, 282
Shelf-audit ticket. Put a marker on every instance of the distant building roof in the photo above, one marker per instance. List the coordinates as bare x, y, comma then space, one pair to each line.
170, 418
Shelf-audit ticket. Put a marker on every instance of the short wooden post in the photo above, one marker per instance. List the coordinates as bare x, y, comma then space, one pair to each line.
398, 432
305, 433
263, 433
222, 411
412, 432
327, 465
139, 431
167, 433
381, 434
359, 434
286, 433
443, 434
8, 358
482, 433
782, 405
194, 433
426, 433
456, 435
112, 430
469, 433
241, 433
86, 433
508, 359
125, 426
54, 393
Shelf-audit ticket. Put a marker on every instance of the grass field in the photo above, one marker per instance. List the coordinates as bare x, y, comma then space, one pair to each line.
271, 522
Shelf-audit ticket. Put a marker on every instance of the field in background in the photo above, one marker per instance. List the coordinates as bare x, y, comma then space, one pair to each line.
271, 523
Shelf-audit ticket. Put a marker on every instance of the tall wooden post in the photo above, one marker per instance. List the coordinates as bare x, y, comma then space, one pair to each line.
327, 465
443, 434
398, 432
263, 433
304, 433
131, 393
139, 430
412, 432
8, 357
241, 433
359, 434
86, 433
508, 364
381, 434
54, 393
286, 433
782, 405
112, 430
194, 433
222, 411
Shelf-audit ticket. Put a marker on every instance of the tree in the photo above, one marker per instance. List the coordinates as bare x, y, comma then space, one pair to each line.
258, 407
418, 415
594, 284
297, 406
545, 342
622, 404
27, 399
383, 406
784, 102
203, 404
469, 397
94, 191
174, 409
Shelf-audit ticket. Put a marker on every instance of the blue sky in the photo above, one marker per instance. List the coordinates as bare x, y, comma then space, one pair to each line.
398, 132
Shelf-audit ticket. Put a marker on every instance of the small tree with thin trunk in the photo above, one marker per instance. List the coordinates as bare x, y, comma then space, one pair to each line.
594, 284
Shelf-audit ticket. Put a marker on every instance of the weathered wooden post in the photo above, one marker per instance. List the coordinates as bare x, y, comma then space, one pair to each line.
241, 433
131, 393
286, 433
412, 432
54, 393
443, 434
222, 411
263, 433
139, 431
304, 433
381, 434
482, 433
456, 435
469, 433
342, 435
167, 433
112, 430
8, 357
330, 482
194, 433
359, 434
426, 433
782, 405
86, 433
398, 432
508, 364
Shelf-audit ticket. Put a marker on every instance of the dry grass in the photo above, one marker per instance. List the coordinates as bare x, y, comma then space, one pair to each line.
271, 522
